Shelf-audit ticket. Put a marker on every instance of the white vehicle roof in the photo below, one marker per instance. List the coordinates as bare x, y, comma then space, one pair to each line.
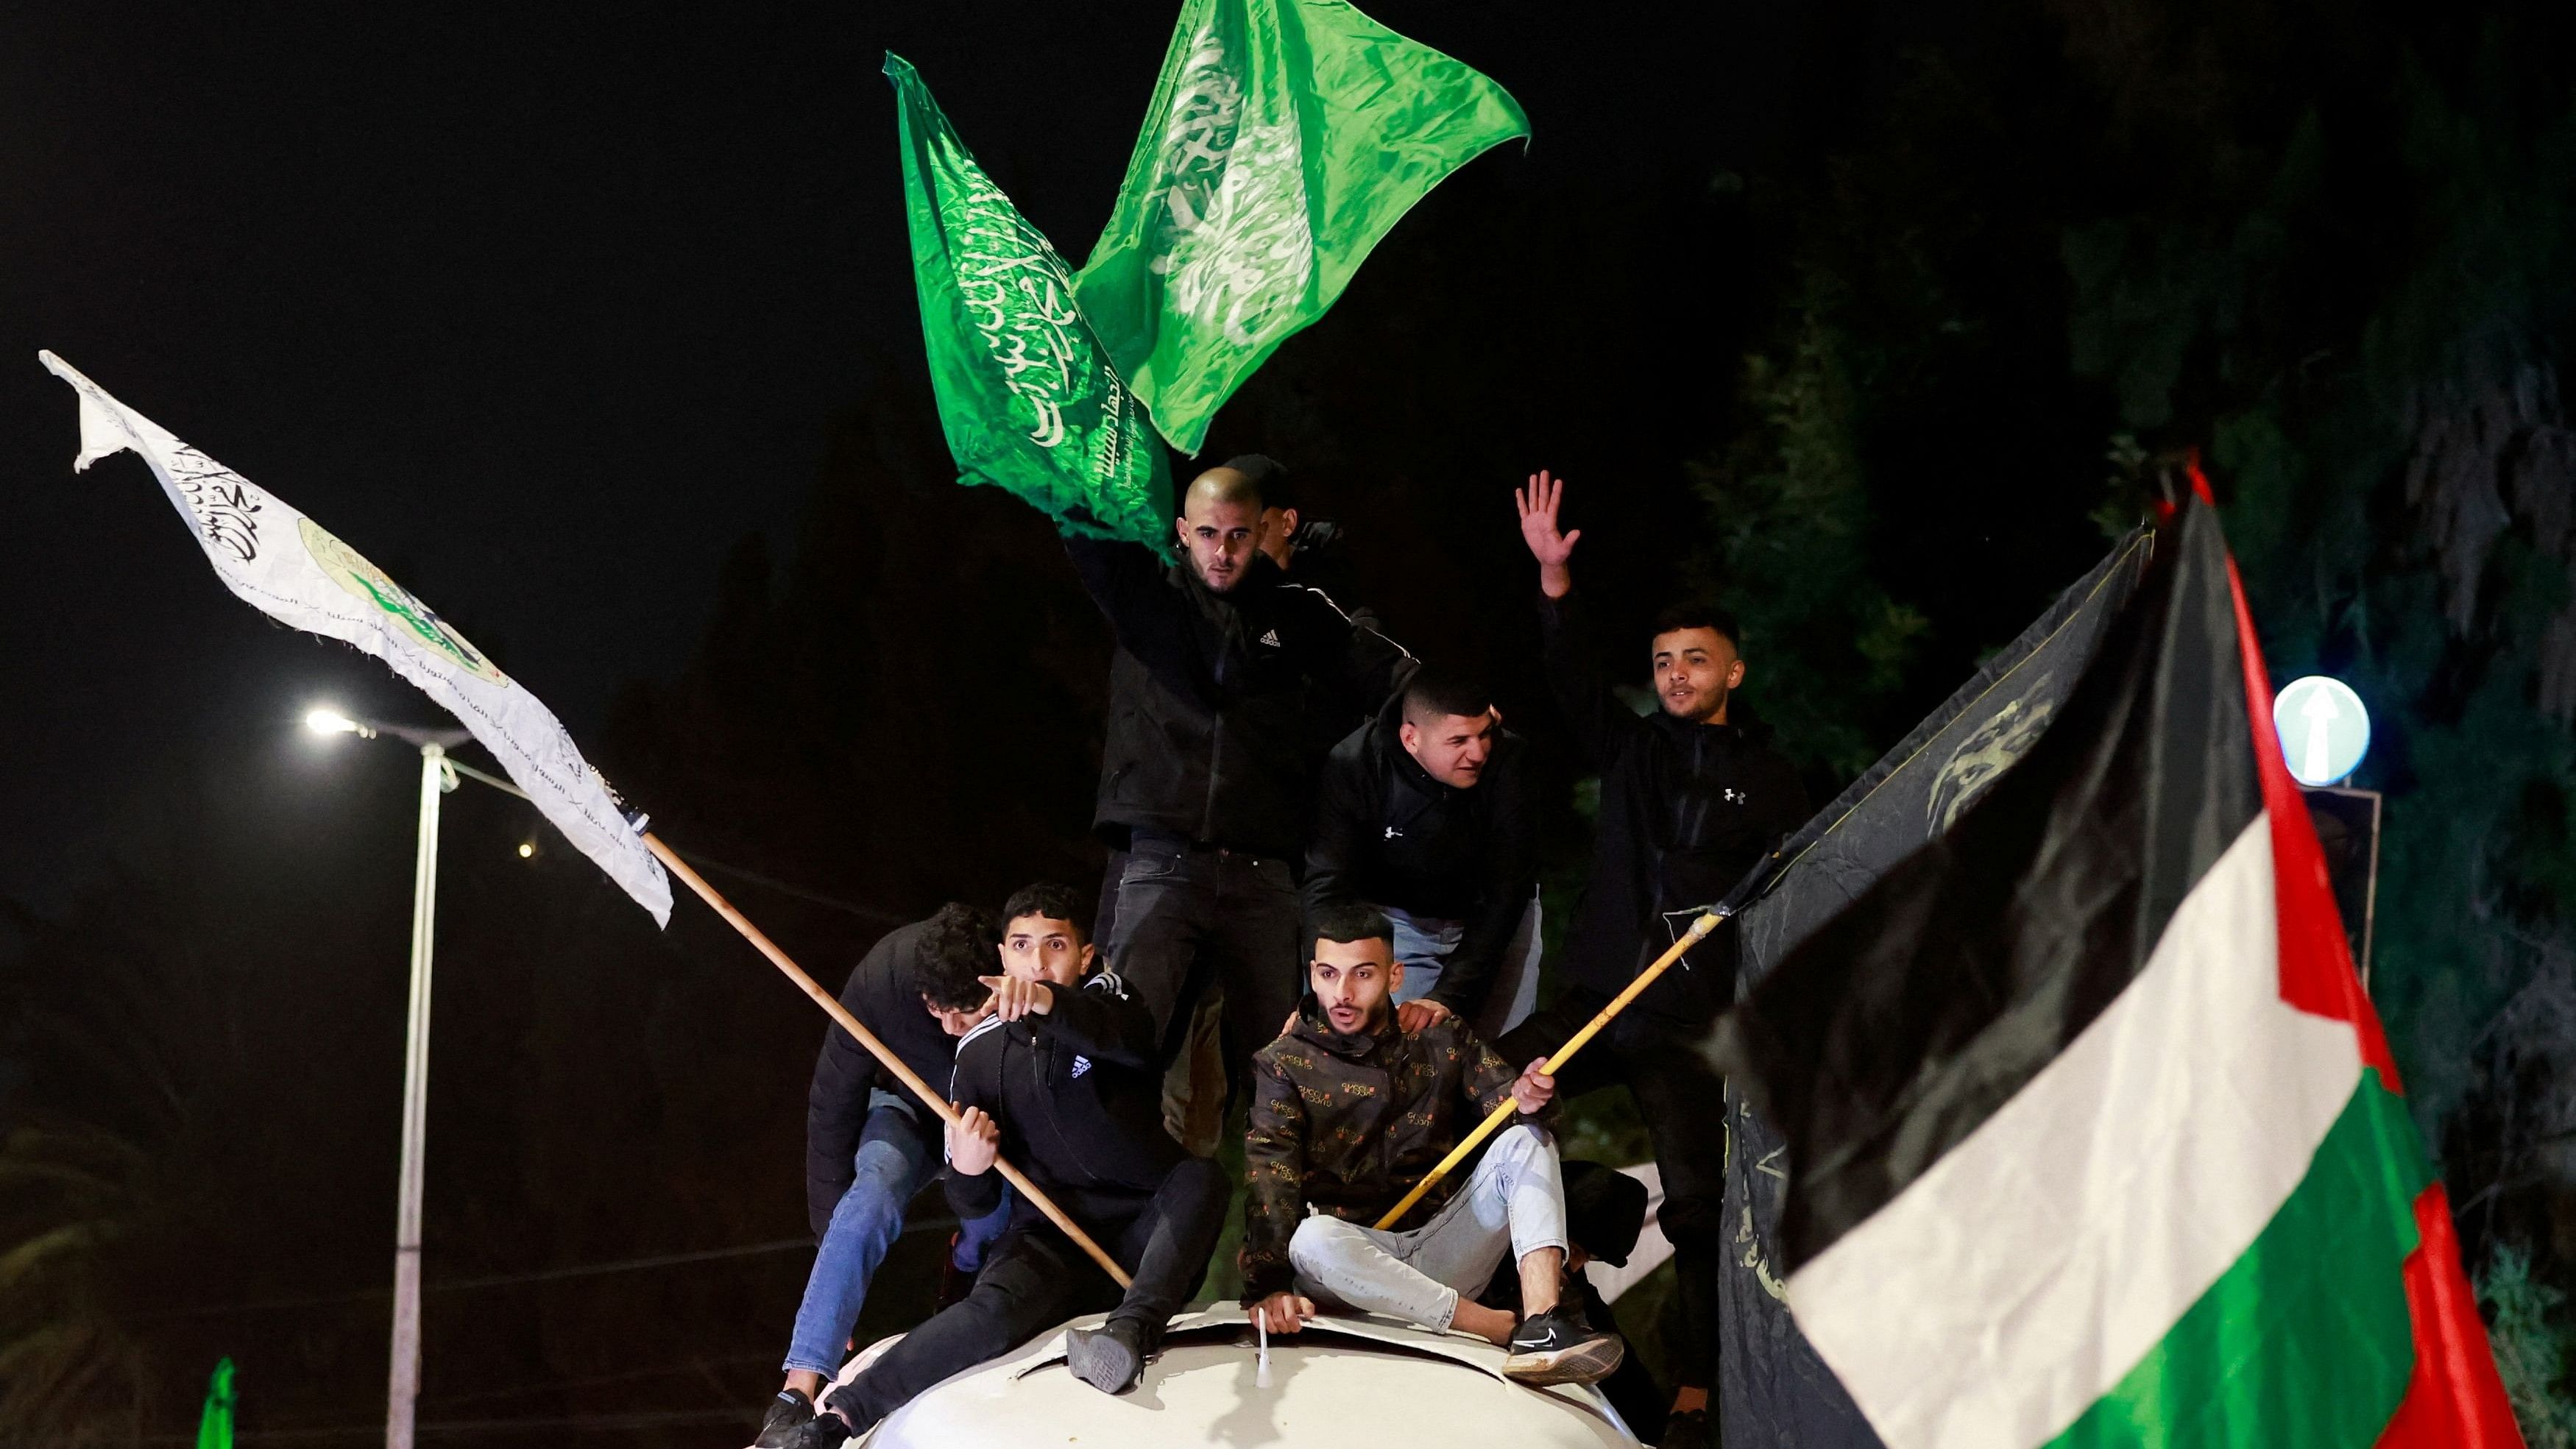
1346, 1380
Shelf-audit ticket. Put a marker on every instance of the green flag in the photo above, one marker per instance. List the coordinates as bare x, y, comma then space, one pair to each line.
1026, 395
215, 1427
1285, 138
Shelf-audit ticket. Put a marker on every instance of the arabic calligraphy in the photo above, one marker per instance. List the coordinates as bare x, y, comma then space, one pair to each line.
221, 501
1233, 236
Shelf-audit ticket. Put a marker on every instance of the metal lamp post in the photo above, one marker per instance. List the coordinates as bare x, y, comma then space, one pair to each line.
437, 776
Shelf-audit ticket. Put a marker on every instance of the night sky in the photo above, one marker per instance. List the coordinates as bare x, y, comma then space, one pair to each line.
541, 312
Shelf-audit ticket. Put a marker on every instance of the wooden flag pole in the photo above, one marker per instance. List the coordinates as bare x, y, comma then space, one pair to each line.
840, 1014
1502, 1113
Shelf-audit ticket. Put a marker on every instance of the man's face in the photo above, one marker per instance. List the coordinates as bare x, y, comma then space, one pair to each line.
1279, 534
1042, 948
1221, 537
1353, 980
1695, 669
1451, 748
954, 1022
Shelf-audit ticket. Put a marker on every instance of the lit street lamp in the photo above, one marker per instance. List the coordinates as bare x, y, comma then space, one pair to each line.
437, 776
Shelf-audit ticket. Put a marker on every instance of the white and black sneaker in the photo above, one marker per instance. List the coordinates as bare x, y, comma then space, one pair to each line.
1561, 1347
788, 1412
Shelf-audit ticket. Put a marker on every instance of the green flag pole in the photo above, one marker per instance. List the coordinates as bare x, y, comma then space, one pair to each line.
215, 1426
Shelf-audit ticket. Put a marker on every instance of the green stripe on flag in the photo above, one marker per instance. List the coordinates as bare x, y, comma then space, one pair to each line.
2304, 1342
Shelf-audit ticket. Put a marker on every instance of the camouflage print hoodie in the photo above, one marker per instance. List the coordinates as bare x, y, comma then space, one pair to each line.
1349, 1123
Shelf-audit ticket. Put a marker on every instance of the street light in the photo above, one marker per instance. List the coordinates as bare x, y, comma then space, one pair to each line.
437, 776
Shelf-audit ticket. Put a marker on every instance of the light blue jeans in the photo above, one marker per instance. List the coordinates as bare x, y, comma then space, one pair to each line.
896, 1156
1514, 1201
1423, 943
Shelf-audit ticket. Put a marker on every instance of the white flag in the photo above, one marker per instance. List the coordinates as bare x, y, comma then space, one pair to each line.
294, 570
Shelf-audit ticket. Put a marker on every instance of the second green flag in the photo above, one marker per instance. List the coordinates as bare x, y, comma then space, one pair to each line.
1284, 139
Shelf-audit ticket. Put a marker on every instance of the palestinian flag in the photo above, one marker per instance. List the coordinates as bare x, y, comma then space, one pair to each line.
2094, 1138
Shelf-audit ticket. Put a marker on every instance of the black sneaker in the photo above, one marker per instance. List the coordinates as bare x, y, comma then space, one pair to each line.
1559, 1347
1110, 1358
823, 1431
1685, 1429
787, 1413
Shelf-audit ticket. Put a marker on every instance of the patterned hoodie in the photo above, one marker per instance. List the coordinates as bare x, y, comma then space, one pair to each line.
1349, 1123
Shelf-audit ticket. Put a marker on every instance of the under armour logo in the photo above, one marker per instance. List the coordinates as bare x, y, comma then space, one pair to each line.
1271, 638
1394, 834
1735, 796
1080, 1066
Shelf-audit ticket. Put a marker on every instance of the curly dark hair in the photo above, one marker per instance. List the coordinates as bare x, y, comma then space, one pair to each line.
957, 946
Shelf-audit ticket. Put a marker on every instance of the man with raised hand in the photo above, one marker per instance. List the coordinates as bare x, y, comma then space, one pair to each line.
1424, 813
870, 1144
1692, 797
1222, 671
1350, 1109
1061, 1080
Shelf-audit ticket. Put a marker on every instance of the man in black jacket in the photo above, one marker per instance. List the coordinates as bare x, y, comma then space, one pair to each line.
1222, 672
1424, 813
870, 1144
1692, 797
1061, 1079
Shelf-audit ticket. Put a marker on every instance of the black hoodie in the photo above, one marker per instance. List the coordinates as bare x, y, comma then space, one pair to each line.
1214, 698
1388, 834
1686, 810
1076, 1094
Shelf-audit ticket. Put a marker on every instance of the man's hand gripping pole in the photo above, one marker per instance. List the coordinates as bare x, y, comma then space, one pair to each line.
1502, 1113
840, 1014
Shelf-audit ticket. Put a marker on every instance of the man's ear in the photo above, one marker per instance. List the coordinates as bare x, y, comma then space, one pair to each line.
1411, 737
1394, 976
1090, 955
1735, 675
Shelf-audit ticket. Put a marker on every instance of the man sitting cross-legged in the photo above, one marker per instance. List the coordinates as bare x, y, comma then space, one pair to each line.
1063, 1080
1349, 1111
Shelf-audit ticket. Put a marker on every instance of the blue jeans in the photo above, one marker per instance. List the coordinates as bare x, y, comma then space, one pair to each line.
1423, 943
897, 1154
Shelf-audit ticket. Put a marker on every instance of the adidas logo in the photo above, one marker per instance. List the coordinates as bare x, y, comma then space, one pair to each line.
1271, 638
1080, 1066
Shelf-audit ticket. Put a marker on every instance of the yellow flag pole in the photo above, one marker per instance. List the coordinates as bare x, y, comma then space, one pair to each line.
1502, 1113
840, 1014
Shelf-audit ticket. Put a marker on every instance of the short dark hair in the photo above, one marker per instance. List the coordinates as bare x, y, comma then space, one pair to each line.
956, 947
1700, 614
1353, 922
1432, 693
1047, 898
1269, 478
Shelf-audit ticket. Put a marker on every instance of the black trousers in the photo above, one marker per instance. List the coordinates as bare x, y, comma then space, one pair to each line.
1190, 918
1682, 1099
1036, 1278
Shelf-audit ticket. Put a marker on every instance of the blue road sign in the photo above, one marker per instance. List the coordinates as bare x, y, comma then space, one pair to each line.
2324, 729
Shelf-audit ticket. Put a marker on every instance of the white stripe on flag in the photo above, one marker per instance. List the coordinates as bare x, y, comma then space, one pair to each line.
292, 569
2036, 1263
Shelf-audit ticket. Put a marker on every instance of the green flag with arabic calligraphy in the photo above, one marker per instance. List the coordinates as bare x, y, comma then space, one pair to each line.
1027, 396
1285, 138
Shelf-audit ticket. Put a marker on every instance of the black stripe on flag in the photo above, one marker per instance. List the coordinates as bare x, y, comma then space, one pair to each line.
1902, 1024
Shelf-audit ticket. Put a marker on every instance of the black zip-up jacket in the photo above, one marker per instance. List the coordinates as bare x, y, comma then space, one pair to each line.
1686, 810
1214, 698
1076, 1094
1388, 834
883, 992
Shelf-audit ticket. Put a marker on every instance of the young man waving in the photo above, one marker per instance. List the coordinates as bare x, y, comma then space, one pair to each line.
1349, 1111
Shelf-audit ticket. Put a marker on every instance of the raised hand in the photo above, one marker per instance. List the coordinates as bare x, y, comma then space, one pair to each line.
974, 1140
1552, 547
1415, 1015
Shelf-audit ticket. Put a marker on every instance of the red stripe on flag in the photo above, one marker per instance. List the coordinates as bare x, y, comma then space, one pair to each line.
2455, 1399
2316, 961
